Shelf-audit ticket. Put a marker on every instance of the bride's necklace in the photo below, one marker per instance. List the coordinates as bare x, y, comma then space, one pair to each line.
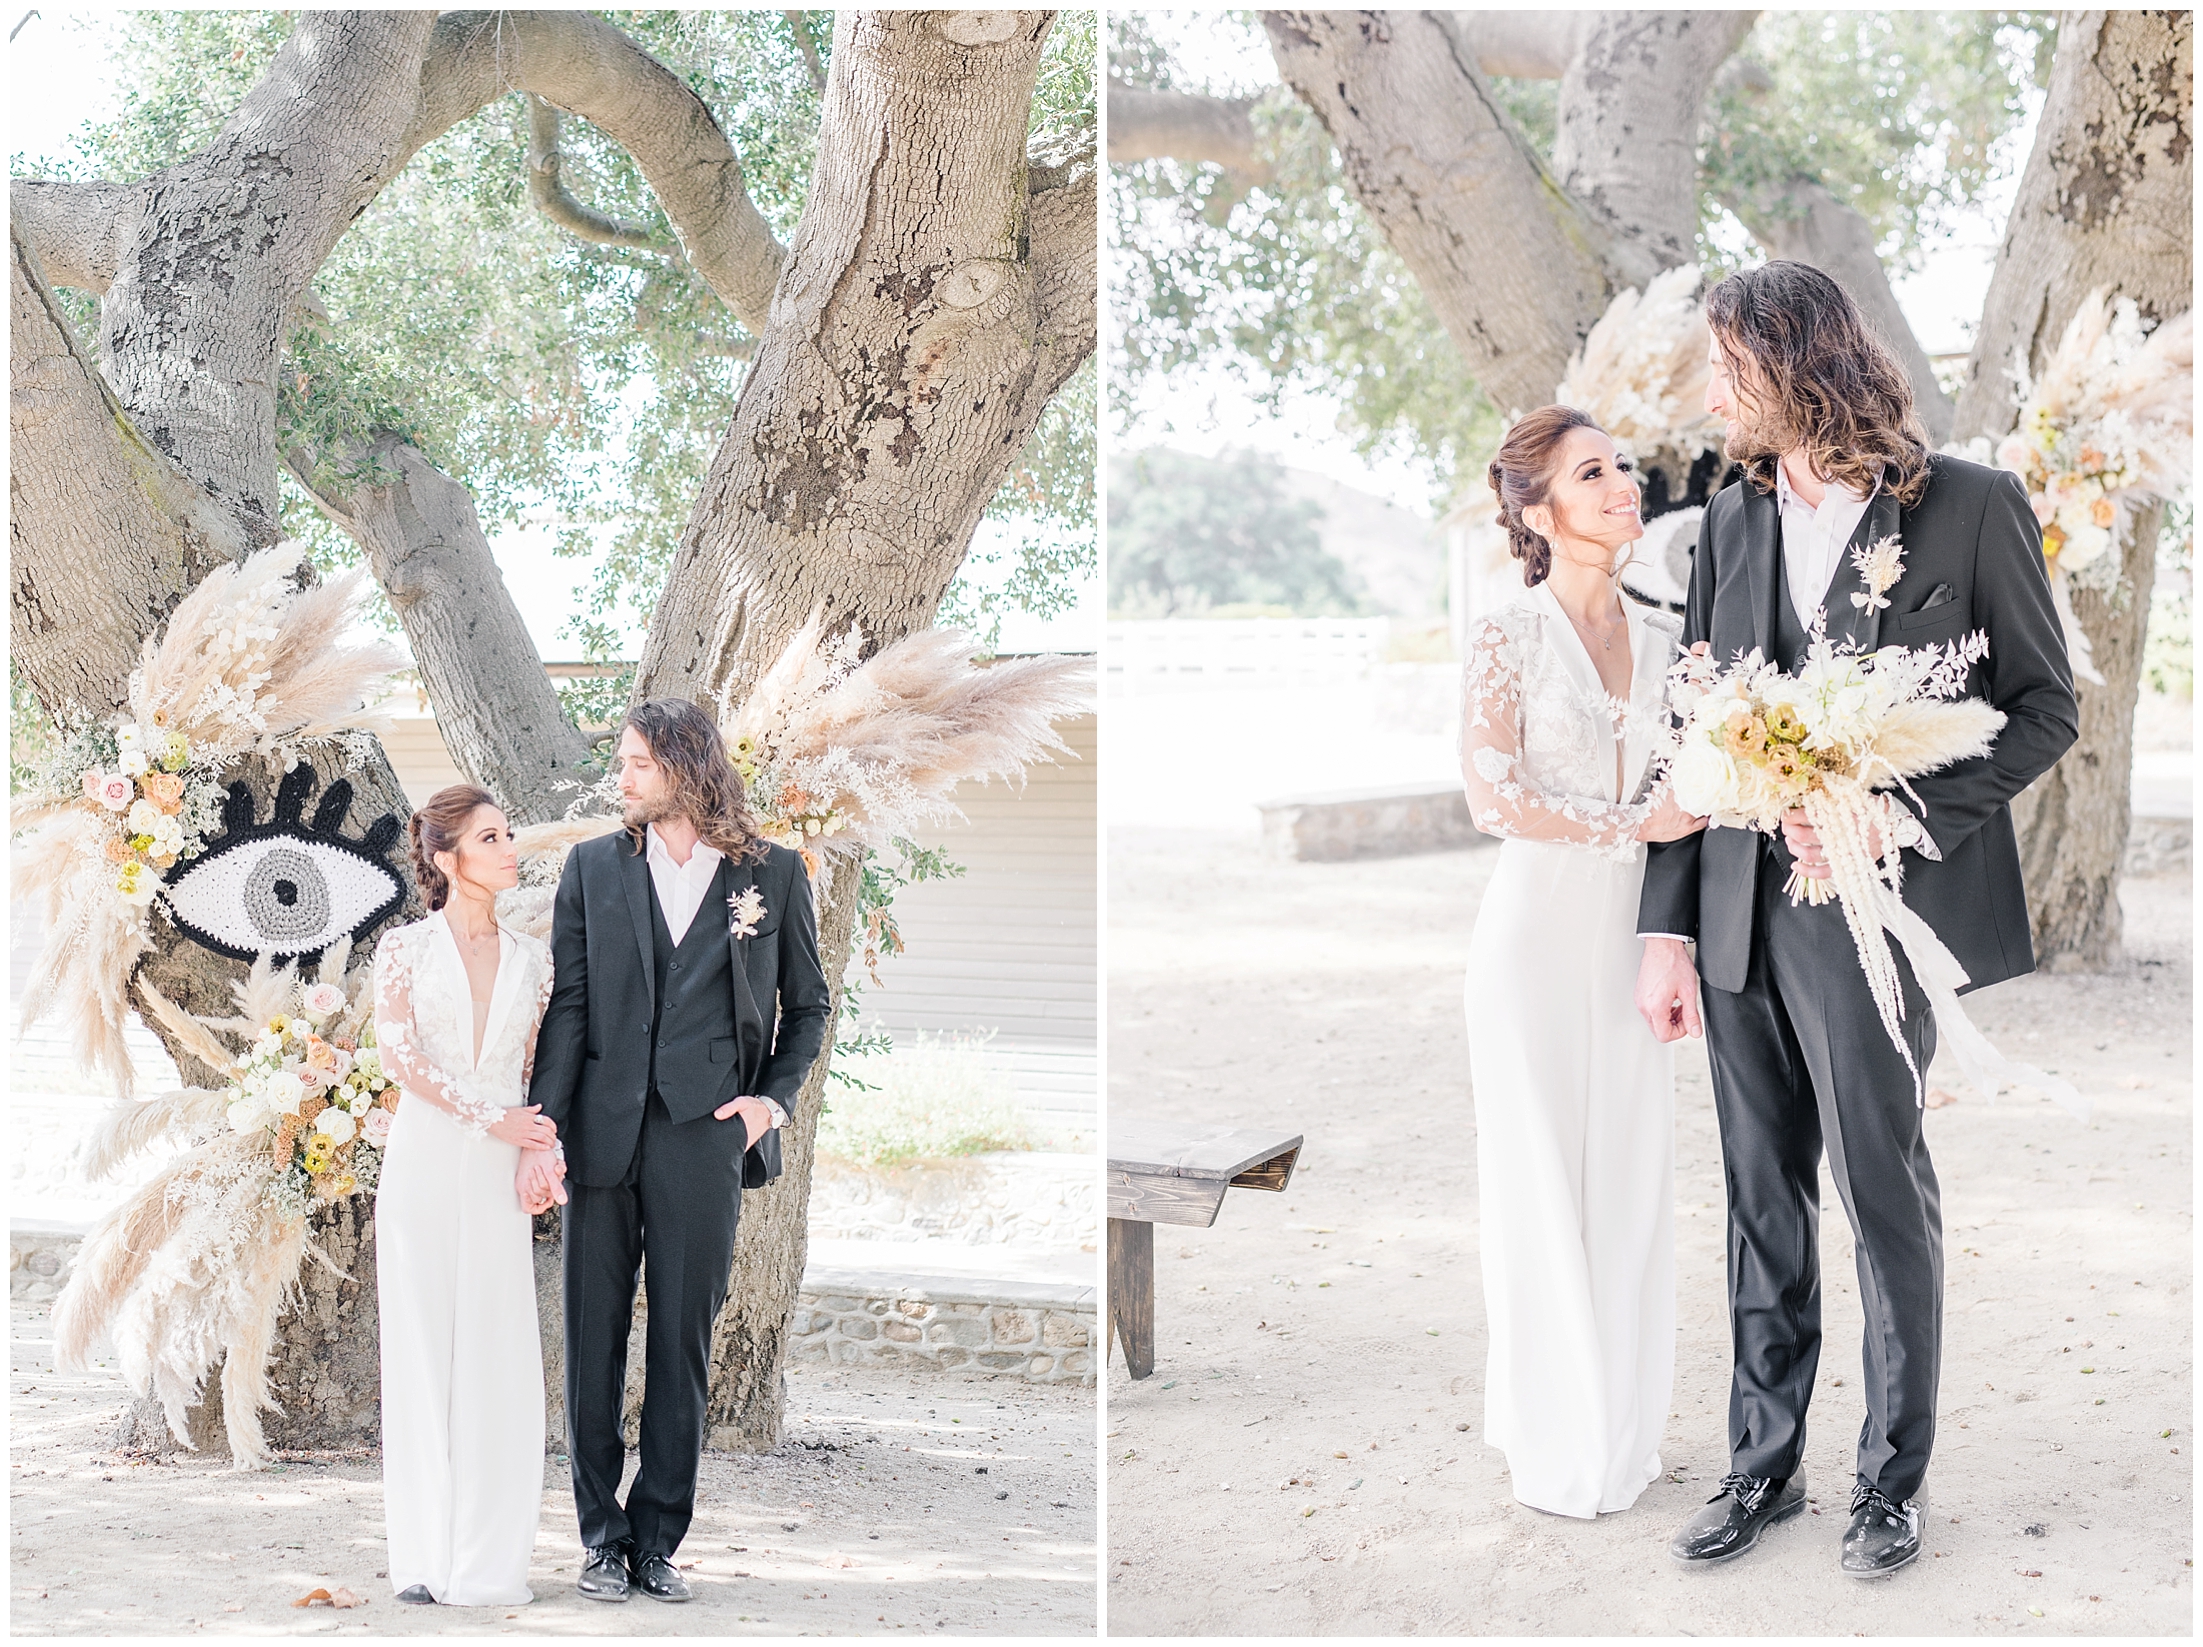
1603, 635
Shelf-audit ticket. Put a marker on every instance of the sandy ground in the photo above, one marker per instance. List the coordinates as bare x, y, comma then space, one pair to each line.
1307, 1457
947, 1505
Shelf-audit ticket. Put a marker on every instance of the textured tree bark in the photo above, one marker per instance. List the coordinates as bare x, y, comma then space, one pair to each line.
2106, 200
1805, 222
1437, 165
2074, 820
105, 533
1627, 146
496, 709
192, 324
938, 292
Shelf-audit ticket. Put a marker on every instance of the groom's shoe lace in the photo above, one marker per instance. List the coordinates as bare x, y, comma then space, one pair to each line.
1862, 1496
1748, 1490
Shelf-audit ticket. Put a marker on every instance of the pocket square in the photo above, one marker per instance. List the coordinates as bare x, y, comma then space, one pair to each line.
1941, 595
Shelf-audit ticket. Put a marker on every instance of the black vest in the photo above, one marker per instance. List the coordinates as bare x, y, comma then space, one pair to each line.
1843, 617
695, 982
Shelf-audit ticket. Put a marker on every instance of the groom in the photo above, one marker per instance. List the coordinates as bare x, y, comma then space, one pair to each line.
667, 1068
1820, 416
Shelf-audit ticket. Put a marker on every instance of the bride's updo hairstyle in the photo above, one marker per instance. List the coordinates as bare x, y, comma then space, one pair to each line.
438, 827
1521, 476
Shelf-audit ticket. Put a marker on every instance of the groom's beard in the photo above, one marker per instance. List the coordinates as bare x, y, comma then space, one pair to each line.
647, 809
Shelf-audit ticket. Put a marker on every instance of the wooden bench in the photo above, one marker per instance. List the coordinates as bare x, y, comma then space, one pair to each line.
1173, 1172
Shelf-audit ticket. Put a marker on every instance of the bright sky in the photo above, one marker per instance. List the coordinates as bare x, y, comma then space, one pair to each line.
58, 82
1205, 411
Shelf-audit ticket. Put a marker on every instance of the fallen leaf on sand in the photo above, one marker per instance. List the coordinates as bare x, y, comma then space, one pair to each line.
2134, 1083
1938, 1097
234, 1607
838, 1560
339, 1597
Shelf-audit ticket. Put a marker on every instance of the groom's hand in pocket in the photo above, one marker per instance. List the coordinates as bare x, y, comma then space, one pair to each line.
1667, 990
757, 1117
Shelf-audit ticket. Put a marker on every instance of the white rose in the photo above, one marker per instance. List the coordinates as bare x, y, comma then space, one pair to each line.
133, 763
2083, 546
1704, 777
376, 1127
144, 817
367, 1061
247, 1115
337, 1124
323, 999
285, 1092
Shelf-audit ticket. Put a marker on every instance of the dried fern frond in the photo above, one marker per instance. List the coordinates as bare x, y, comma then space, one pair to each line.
194, 1036
92, 945
136, 1124
1642, 370
112, 1259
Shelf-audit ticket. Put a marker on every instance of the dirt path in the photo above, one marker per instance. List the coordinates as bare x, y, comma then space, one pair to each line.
876, 1519
1307, 1456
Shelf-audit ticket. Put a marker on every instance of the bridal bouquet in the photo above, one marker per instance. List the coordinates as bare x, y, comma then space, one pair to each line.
1749, 742
312, 1086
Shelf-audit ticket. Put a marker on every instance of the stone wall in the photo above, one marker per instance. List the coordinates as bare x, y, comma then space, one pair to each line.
1035, 1330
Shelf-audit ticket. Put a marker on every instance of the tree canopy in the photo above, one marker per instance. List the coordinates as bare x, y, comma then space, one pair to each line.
558, 378
1902, 116
1192, 537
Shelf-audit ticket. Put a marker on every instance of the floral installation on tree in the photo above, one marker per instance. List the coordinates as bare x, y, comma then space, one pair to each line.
1749, 742
843, 755
2108, 427
248, 664
194, 1268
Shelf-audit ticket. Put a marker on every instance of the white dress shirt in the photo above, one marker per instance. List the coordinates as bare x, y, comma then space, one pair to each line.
681, 890
1813, 540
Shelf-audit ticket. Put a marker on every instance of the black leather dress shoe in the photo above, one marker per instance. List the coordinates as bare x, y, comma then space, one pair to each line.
1733, 1518
658, 1579
1883, 1536
603, 1573
416, 1595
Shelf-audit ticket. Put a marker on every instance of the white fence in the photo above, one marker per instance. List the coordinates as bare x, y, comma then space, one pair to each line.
1174, 654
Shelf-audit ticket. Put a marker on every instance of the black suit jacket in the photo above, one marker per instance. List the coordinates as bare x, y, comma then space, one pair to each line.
593, 1053
1972, 531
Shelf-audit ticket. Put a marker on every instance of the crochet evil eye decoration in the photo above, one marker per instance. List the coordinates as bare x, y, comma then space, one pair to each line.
285, 888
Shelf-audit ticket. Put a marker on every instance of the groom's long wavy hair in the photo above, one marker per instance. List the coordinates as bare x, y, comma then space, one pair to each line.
701, 783
1816, 376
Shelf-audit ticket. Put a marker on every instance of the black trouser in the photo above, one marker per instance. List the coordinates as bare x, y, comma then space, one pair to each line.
1800, 1060
674, 1216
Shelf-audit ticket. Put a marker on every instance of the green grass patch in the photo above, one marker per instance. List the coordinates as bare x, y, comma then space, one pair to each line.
945, 1095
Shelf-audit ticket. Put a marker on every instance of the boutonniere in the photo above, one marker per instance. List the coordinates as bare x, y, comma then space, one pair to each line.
744, 910
1881, 563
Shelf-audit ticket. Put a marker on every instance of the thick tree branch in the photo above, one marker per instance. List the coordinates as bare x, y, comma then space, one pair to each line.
1524, 45
2106, 199
801, 26
1145, 124
105, 532
1516, 269
497, 711
547, 188
584, 66
78, 230
1630, 103
1062, 205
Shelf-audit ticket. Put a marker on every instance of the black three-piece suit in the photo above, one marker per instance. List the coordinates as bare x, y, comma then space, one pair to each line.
643, 1039
1800, 1060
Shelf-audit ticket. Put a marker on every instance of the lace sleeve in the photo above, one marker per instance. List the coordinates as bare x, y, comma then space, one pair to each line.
404, 1058
1502, 798
535, 1020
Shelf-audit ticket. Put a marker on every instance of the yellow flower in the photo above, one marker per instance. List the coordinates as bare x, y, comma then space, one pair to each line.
279, 1023
344, 1184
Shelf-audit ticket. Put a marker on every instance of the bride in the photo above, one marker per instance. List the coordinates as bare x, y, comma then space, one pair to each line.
1574, 1097
457, 1002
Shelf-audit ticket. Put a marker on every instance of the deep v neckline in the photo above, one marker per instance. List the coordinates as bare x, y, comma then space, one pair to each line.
1584, 664
489, 1013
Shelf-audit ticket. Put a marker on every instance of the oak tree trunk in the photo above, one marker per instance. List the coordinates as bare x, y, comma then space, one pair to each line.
937, 293
2106, 201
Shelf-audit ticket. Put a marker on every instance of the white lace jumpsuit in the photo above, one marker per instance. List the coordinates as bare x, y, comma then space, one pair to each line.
1574, 1097
462, 1362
